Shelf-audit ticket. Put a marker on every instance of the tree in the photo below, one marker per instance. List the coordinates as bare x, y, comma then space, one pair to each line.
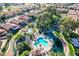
0, 43
30, 25
77, 51
43, 22
46, 20
1, 8
7, 5
57, 54
25, 53
52, 11
3, 18
23, 46
68, 25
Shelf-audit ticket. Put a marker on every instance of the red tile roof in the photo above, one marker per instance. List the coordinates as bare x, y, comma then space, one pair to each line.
73, 14
23, 17
7, 26
16, 21
2, 30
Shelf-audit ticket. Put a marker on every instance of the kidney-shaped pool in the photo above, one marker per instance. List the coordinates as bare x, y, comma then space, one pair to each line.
42, 41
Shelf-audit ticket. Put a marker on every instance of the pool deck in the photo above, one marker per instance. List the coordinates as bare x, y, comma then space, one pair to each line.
45, 48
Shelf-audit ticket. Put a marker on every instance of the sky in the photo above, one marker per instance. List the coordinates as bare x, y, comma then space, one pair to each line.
39, 1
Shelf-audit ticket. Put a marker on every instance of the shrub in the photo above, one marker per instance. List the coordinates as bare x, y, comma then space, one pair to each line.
17, 36
25, 53
77, 51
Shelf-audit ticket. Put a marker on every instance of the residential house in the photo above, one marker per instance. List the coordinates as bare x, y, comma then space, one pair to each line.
73, 14
23, 17
19, 22
14, 21
62, 10
7, 26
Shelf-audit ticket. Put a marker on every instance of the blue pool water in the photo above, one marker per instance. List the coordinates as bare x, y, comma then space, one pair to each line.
40, 40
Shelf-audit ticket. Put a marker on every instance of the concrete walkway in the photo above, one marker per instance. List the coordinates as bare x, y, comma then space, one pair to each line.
65, 45
10, 51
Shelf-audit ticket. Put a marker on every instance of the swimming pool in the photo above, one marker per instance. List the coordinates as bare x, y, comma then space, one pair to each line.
40, 40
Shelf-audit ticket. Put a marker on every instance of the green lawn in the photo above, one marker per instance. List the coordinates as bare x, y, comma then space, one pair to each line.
71, 49
17, 36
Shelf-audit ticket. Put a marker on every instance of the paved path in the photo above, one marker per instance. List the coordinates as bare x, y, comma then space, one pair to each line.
65, 45
10, 51
3, 43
